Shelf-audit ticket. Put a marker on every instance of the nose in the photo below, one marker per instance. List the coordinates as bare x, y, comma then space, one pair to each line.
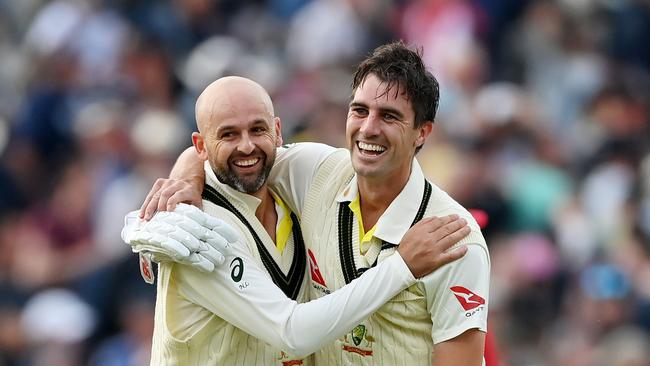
245, 145
370, 126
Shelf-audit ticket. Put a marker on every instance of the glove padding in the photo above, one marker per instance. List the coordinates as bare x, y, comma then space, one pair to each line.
186, 235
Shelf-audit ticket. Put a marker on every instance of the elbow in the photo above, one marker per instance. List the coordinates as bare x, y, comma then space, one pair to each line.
299, 350
300, 344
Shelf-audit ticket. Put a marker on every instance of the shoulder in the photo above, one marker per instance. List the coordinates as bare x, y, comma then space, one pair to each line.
442, 204
310, 151
473, 268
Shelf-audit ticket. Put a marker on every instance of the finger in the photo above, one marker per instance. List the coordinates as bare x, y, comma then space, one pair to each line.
186, 223
225, 230
219, 243
177, 198
201, 263
166, 224
165, 244
185, 238
152, 207
449, 228
213, 256
453, 238
452, 255
190, 211
441, 222
217, 226
164, 196
145, 208
184, 193
431, 224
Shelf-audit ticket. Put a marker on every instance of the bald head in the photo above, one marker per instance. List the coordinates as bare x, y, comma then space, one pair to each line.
238, 132
231, 96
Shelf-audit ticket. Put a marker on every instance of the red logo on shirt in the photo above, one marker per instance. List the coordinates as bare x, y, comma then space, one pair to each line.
292, 363
145, 269
468, 300
315, 272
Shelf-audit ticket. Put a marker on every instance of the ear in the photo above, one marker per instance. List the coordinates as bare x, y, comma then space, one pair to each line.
424, 132
278, 131
199, 145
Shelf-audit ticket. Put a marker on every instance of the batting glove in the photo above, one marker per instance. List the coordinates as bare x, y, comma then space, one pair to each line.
186, 235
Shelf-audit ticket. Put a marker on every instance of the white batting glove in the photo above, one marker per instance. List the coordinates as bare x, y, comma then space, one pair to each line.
186, 235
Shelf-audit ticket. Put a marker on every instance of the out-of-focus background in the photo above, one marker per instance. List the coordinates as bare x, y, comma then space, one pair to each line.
543, 125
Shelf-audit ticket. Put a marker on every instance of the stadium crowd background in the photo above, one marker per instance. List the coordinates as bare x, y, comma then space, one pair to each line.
543, 125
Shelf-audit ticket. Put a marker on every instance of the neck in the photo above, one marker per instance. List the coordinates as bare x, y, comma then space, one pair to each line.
265, 212
376, 194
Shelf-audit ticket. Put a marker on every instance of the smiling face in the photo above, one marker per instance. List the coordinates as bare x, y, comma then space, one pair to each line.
238, 133
380, 131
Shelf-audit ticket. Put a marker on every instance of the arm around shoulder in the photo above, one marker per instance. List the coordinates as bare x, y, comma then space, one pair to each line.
243, 295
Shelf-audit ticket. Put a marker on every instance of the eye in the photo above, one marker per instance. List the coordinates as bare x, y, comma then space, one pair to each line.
227, 135
359, 111
258, 129
390, 117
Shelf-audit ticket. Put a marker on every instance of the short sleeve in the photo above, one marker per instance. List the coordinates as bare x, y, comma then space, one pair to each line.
457, 295
294, 169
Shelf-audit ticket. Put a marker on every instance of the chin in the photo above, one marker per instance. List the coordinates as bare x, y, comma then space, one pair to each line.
363, 170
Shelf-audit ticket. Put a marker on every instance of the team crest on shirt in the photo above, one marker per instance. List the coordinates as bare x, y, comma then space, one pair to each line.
358, 333
361, 341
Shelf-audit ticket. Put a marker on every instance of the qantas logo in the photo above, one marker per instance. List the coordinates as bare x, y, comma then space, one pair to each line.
468, 300
315, 271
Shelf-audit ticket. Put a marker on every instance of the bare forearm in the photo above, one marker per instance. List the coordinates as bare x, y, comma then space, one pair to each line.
184, 185
189, 167
465, 350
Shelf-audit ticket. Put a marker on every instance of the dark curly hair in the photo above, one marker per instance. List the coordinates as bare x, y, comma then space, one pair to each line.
400, 66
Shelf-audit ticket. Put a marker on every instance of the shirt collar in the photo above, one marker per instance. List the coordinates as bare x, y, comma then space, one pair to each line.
397, 219
246, 200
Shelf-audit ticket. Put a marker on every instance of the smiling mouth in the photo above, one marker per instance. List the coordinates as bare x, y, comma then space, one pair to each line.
370, 149
245, 163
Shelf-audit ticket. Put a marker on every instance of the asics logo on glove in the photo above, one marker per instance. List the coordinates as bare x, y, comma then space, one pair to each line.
186, 235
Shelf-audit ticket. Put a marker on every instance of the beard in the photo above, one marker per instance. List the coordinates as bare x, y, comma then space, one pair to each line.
250, 183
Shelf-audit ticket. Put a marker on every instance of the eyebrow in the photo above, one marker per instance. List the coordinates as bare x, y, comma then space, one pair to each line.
381, 109
252, 123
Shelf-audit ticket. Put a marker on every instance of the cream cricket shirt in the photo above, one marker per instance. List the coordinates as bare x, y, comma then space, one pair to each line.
439, 307
238, 315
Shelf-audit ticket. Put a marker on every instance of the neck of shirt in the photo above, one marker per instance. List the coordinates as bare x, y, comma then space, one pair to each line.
284, 223
365, 238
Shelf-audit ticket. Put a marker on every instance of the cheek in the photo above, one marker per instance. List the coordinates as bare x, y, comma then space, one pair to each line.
221, 150
265, 140
351, 126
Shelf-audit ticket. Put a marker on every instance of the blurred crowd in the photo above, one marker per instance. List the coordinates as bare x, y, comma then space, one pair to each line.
543, 125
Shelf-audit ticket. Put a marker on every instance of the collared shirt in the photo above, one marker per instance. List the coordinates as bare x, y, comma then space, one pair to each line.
210, 313
397, 219
443, 304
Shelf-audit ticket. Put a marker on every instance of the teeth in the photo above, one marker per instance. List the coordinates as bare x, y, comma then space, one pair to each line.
370, 147
248, 162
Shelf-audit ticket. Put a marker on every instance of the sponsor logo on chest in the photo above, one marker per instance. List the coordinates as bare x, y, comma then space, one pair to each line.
317, 280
